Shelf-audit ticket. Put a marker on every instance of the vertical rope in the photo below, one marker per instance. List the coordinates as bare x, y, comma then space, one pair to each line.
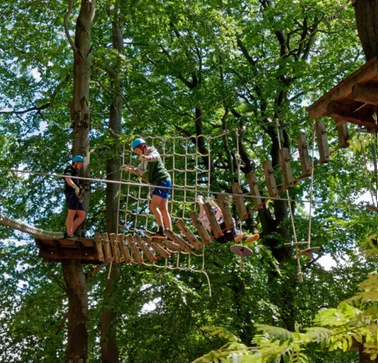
290, 209
311, 186
238, 165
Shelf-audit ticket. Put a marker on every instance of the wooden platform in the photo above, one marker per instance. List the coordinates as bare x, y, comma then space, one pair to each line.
62, 249
353, 100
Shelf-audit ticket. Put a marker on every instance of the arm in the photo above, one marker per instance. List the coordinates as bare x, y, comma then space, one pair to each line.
72, 185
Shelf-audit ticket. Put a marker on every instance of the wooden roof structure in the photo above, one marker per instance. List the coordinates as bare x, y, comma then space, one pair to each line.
353, 100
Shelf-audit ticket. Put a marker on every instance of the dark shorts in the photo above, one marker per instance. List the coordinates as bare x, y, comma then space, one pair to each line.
73, 201
228, 235
163, 192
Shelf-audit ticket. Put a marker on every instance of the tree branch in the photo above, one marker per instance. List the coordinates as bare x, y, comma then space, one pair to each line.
66, 16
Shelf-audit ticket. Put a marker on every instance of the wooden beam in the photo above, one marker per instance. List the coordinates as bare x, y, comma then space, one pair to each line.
223, 205
322, 141
215, 228
286, 168
100, 252
342, 131
200, 228
344, 88
239, 201
188, 234
124, 248
303, 155
269, 178
365, 94
255, 190
172, 245
50, 254
349, 112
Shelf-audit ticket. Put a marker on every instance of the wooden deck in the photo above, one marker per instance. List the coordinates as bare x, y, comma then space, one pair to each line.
354, 100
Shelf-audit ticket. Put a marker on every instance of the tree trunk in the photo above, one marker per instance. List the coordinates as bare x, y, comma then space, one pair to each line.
366, 12
77, 347
109, 348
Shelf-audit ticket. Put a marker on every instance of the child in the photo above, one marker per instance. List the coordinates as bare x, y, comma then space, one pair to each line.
228, 234
73, 195
152, 165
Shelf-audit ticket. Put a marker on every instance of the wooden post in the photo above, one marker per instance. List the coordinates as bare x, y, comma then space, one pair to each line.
183, 244
286, 168
239, 200
255, 190
108, 252
114, 245
200, 228
227, 216
188, 234
322, 141
144, 248
100, 252
303, 155
215, 228
124, 248
342, 131
134, 249
270, 179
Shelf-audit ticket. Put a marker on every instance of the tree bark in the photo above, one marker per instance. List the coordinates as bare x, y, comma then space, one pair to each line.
77, 347
109, 348
366, 13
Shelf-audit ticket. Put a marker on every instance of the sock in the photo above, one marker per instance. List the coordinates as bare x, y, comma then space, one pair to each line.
161, 232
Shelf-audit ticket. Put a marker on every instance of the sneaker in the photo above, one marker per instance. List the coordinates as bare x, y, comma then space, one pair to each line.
199, 199
252, 238
158, 235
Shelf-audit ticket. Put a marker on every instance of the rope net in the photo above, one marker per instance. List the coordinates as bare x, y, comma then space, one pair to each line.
190, 175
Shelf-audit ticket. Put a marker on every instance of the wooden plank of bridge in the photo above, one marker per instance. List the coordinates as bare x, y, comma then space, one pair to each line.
227, 216
157, 248
100, 252
342, 131
255, 190
183, 244
270, 179
215, 228
303, 156
188, 234
171, 245
114, 247
239, 201
134, 249
108, 252
322, 141
200, 228
125, 250
144, 248
286, 168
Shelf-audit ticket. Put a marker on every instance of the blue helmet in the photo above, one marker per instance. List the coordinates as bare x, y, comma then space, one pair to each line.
78, 158
136, 142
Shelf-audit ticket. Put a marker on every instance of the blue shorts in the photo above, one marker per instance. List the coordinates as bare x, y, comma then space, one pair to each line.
73, 201
163, 192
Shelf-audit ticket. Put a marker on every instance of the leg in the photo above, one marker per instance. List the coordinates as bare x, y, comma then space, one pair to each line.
79, 220
165, 213
154, 206
70, 221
